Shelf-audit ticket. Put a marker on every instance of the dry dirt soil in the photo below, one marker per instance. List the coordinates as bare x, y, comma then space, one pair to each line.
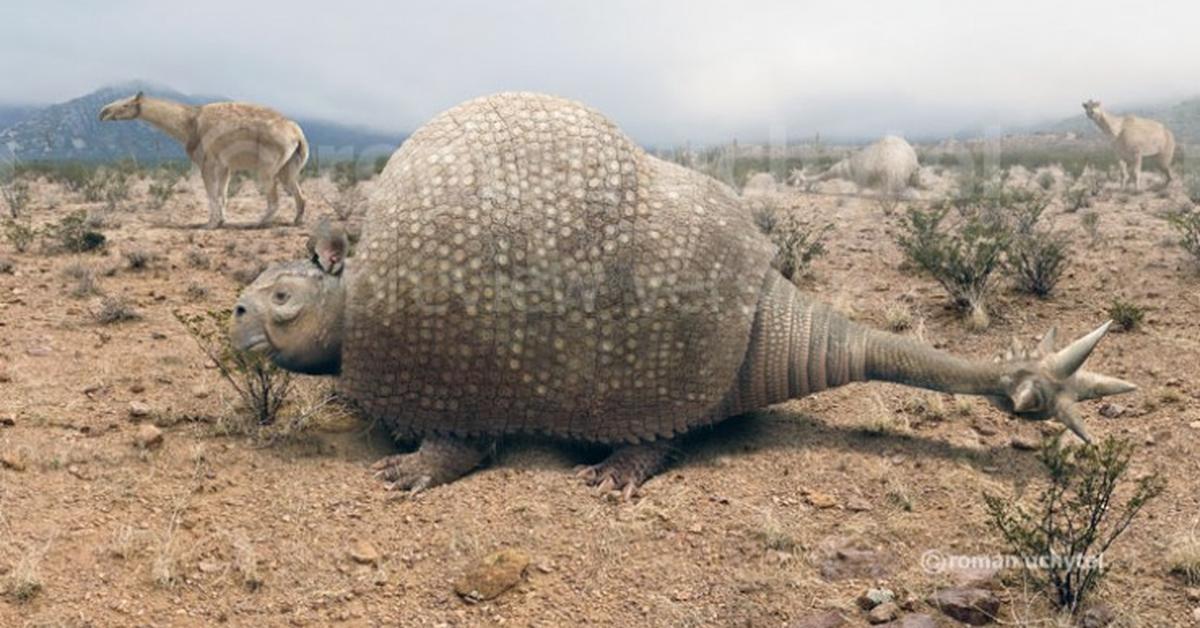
208, 528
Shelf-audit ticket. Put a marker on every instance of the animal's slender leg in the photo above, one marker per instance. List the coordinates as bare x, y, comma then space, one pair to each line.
212, 182
292, 185
1137, 173
439, 459
1124, 173
271, 189
1164, 159
627, 467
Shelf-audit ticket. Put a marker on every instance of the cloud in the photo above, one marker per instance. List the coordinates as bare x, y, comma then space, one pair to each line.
667, 71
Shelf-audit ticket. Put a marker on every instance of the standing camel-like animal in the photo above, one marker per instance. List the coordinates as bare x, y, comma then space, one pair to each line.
226, 137
1135, 138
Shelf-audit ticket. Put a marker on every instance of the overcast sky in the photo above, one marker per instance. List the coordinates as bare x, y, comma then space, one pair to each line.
665, 71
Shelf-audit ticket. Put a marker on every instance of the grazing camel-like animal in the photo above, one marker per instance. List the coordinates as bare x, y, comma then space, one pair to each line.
1135, 138
226, 137
888, 165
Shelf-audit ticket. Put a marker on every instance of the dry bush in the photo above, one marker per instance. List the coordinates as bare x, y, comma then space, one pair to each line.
1126, 316
72, 234
116, 310
19, 233
86, 284
15, 193
139, 258
1183, 559
1186, 223
198, 260
1037, 255
1073, 521
798, 241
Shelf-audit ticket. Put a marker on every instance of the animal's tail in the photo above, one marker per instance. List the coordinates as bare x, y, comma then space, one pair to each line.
300, 154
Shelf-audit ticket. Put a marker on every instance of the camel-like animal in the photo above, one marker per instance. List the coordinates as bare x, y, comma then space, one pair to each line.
889, 165
226, 137
1135, 138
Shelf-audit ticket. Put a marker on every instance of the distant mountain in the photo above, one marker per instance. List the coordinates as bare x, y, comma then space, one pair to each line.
12, 114
1182, 118
72, 131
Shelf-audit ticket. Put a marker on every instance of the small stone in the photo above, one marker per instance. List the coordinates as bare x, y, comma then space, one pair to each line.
364, 553
1193, 594
858, 504
494, 575
1110, 410
39, 351
970, 606
1194, 425
138, 410
1096, 616
12, 460
821, 500
916, 620
201, 392
148, 437
1196, 614
137, 388
8, 420
832, 619
208, 566
5, 376
1024, 443
841, 558
883, 613
874, 597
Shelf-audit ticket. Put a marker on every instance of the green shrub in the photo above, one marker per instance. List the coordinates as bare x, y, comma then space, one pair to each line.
19, 233
163, 186
1125, 315
1186, 223
1063, 535
15, 193
1037, 255
797, 242
72, 234
963, 255
263, 387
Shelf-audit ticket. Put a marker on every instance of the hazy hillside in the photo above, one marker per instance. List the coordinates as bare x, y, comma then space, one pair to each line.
12, 114
1183, 119
71, 130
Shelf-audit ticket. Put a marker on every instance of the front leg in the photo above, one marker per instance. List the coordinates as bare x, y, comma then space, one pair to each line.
1137, 172
439, 460
1124, 173
627, 467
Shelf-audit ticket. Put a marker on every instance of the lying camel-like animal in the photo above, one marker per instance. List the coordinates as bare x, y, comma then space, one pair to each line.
1135, 138
888, 165
226, 137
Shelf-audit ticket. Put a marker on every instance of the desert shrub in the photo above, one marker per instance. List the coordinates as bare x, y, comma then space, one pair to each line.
1126, 316
197, 259
963, 256
197, 291
15, 193
163, 184
19, 233
1037, 255
85, 280
139, 259
1183, 560
116, 310
1186, 223
263, 388
1091, 225
1063, 535
1046, 181
798, 242
72, 234
106, 185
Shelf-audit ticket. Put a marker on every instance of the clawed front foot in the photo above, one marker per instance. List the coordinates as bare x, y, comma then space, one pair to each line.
627, 467
439, 460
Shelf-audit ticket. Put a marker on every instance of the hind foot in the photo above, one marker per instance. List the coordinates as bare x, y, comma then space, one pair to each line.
627, 467
439, 460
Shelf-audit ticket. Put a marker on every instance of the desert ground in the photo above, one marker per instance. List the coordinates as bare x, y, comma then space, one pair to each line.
101, 524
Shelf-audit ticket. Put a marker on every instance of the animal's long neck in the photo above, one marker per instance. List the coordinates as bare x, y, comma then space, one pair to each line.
800, 346
175, 119
1110, 124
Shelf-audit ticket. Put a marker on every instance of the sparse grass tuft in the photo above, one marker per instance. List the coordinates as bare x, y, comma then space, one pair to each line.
19, 233
86, 284
197, 259
139, 259
1075, 518
197, 291
1126, 316
116, 310
898, 317
1183, 559
1091, 225
25, 581
799, 242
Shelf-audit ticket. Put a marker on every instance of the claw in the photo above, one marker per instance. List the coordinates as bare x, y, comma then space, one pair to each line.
1064, 363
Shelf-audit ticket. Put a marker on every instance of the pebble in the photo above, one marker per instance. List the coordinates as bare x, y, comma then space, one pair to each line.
883, 613
138, 410
201, 392
821, 500
1096, 616
1111, 410
970, 606
1024, 443
858, 504
494, 575
12, 460
148, 437
40, 351
364, 553
874, 597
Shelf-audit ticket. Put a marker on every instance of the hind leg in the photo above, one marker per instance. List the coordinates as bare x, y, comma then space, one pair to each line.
627, 467
439, 460
271, 190
291, 183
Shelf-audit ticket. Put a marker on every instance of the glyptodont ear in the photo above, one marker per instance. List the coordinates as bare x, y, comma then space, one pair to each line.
328, 246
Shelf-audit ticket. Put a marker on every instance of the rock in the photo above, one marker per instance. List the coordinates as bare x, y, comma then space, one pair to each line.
821, 500
148, 437
840, 558
1193, 594
5, 376
1196, 615
1194, 424
39, 351
201, 392
858, 504
968, 605
916, 620
494, 575
12, 460
1024, 443
8, 420
883, 613
364, 553
874, 597
1096, 616
1110, 410
832, 619
138, 410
